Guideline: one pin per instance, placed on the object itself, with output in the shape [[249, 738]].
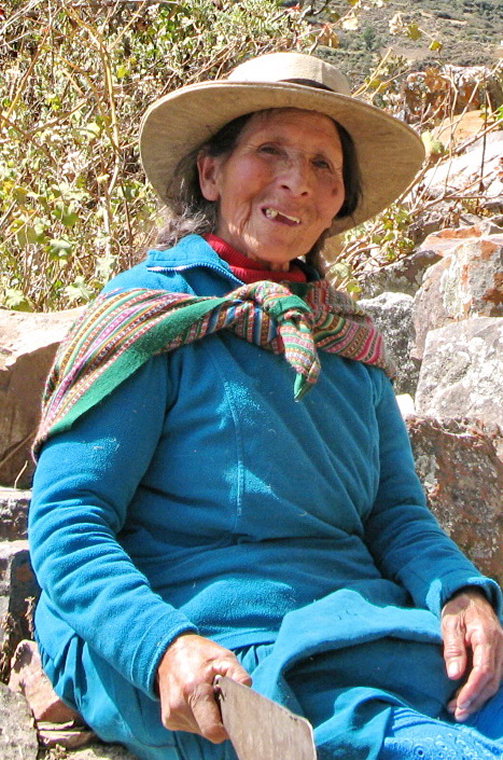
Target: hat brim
[[389, 152]]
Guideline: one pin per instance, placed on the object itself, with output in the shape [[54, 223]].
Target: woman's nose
[[296, 176]]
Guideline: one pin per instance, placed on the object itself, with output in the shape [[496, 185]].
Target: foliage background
[[76, 79], [76, 76]]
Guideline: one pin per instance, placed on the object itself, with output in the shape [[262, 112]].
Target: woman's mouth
[[273, 213]]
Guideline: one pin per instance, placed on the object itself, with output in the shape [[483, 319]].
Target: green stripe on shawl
[[125, 365]]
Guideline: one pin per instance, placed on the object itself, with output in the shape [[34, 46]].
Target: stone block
[[100, 751], [443, 242], [403, 276], [392, 314], [4, 612], [14, 504], [18, 590], [13, 558], [460, 465], [28, 678], [462, 371], [18, 738], [28, 343], [467, 282]]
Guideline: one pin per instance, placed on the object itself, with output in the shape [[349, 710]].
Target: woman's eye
[[271, 150], [321, 163]]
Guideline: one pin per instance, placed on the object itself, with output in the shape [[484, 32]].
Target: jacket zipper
[[184, 267]]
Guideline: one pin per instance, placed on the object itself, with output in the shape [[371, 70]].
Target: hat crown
[[288, 67]]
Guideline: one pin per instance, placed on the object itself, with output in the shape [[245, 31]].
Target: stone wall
[[450, 357]]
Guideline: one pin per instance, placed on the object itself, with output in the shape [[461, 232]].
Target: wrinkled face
[[281, 186]]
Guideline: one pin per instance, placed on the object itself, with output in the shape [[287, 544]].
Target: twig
[[27, 75], [462, 148]]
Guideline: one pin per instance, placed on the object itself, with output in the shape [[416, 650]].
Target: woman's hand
[[473, 647], [185, 679]]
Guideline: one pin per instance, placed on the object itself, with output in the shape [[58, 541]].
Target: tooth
[[271, 213]]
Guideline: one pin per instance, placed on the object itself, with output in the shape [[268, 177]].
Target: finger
[[453, 702], [482, 683], [206, 714], [232, 669], [177, 716], [455, 654], [465, 707]]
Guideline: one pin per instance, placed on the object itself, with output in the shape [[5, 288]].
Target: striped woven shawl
[[120, 331]]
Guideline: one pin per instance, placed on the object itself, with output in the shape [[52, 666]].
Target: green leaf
[[59, 248], [26, 235], [15, 299], [432, 144], [19, 194], [92, 129], [121, 71], [353, 287], [414, 32], [65, 214], [54, 101], [341, 269], [70, 219], [104, 267], [78, 290]]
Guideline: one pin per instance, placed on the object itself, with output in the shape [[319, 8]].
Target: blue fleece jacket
[[199, 496]]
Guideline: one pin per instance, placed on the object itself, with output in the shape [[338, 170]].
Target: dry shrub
[[77, 76]]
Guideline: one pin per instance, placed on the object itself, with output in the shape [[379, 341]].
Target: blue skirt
[[346, 664]]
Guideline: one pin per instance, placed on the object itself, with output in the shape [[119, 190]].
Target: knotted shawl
[[120, 331]]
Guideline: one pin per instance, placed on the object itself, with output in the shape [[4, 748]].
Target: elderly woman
[[194, 514]]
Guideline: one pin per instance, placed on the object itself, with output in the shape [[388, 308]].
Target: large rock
[[475, 171], [18, 592], [392, 314], [467, 282], [403, 276], [462, 371], [18, 738], [101, 752], [460, 465], [28, 343], [14, 557], [460, 130], [445, 241], [14, 505], [28, 678], [57, 724]]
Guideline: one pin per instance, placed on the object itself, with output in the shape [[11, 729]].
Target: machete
[[261, 729]]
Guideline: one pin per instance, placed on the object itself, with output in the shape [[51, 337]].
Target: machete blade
[[261, 729]]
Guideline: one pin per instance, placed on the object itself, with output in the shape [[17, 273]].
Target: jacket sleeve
[[404, 537], [83, 484]]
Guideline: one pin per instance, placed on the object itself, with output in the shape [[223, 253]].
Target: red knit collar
[[249, 270]]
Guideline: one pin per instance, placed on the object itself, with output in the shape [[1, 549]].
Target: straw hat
[[389, 152]]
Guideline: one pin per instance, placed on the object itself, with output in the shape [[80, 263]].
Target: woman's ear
[[208, 168]]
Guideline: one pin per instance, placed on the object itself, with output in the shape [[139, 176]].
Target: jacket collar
[[190, 251], [193, 251]]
